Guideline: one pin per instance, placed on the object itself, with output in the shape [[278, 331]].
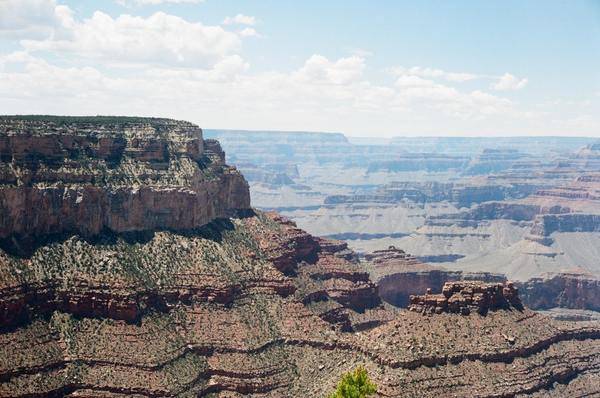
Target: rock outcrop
[[326, 275], [467, 297]]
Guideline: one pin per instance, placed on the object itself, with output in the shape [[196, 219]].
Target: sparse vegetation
[[355, 384]]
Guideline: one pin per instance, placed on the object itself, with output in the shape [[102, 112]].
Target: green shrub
[[355, 384]]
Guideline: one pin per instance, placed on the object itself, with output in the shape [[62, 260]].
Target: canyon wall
[[547, 224], [574, 291], [86, 175], [400, 275]]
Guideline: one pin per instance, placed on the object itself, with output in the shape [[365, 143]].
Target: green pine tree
[[355, 384]]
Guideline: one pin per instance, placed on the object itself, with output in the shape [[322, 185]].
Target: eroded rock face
[[467, 297], [234, 325], [327, 276], [574, 291], [505, 210], [463, 195], [547, 224], [425, 161], [400, 275], [86, 175]]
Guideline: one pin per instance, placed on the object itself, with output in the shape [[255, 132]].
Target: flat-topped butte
[[40, 150], [85, 174]]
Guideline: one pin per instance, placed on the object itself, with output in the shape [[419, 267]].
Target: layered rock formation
[[327, 277], [466, 297], [86, 175], [101, 179], [494, 161], [574, 222], [415, 162], [400, 275], [238, 303], [504, 353], [553, 230], [462, 195], [565, 290]]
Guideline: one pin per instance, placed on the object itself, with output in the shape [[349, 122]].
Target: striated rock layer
[[574, 291], [466, 297], [249, 305], [213, 316], [86, 175], [400, 275]]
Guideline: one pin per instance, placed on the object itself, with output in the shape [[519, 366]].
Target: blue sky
[[365, 68]]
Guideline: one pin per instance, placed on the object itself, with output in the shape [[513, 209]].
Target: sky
[[364, 68]]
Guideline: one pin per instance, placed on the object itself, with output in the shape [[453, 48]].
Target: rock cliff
[[574, 291], [400, 275], [85, 175], [547, 224], [462, 195]]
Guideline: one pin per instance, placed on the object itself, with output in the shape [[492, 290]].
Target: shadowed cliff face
[[399, 276], [574, 291], [160, 286], [87, 175]]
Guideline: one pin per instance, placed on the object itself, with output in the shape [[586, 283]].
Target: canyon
[[527, 208], [134, 262]]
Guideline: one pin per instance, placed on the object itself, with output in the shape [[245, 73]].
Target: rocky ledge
[[327, 276], [468, 297]]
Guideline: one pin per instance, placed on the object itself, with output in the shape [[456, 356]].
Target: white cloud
[[502, 83], [413, 81], [416, 92], [249, 32], [434, 73], [509, 82], [226, 71], [128, 3], [319, 69], [158, 39], [240, 19], [32, 18], [186, 70], [297, 99], [323, 94]]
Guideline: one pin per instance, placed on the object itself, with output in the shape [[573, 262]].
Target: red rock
[[464, 297]]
